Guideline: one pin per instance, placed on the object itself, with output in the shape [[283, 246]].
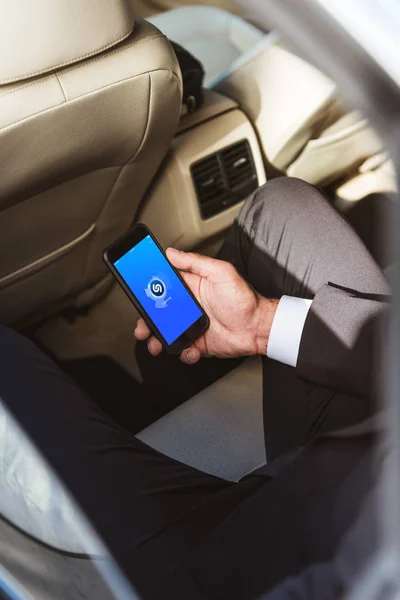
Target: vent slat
[[242, 175], [207, 169], [240, 170], [209, 181], [212, 195], [235, 152]]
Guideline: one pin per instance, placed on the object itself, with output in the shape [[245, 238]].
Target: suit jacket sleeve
[[338, 340]]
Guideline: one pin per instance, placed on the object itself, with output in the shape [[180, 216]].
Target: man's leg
[[176, 532], [147, 507], [288, 239]]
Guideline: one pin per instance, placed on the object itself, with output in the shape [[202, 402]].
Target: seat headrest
[[37, 36]]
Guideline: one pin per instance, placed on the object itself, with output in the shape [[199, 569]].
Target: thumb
[[204, 266], [190, 355]]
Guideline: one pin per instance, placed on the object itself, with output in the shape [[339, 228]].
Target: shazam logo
[[157, 290]]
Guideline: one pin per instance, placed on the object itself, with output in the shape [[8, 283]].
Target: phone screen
[[156, 286]]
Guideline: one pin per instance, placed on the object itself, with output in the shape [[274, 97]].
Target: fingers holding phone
[[142, 333], [240, 319], [191, 305]]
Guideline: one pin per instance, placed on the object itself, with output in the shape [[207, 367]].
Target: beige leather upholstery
[[68, 32], [284, 96], [304, 130], [375, 175], [337, 151], [79, 144]]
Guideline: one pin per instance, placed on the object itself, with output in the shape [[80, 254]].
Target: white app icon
[[157, 291]]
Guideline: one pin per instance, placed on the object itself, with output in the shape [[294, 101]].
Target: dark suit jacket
[[338, 343]]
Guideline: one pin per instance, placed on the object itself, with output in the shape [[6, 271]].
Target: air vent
[[224, 178], [239, 166]]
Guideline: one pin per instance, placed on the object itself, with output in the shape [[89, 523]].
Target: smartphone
[[156, 289]]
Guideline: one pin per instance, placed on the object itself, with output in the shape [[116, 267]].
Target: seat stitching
[[23, 87], [127, 47], [68, 62], [89, 94], [123, 167], [62, 89], [80, 66], [146, 129], [45, 260]]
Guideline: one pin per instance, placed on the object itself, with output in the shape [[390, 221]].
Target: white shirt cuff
[[287, 329]]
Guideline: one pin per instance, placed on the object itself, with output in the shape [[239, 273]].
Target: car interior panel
[[192, 161], [92, 140]]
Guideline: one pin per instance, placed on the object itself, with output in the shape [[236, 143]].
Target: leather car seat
[[304, 129], [90, 99], [214, 36]]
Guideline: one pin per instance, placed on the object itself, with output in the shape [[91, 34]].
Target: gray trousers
[[177, 532], [289, 240]]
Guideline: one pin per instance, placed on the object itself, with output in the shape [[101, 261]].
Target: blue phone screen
[[160, 292]]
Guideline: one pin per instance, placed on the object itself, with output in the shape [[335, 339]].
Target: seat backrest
[[283, 95], [303, 127], [89, 102]]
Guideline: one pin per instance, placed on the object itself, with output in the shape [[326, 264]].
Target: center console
[[214, 163]]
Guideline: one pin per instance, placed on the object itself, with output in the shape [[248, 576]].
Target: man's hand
[[240, 319]]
